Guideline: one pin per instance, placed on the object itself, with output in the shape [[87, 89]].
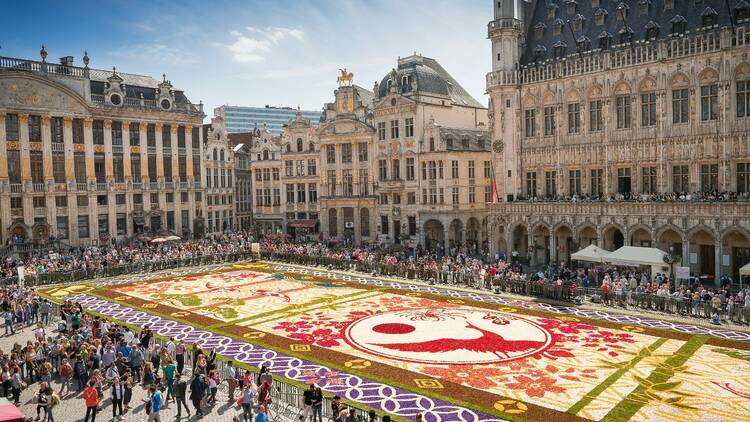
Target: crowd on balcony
[[699, 196]]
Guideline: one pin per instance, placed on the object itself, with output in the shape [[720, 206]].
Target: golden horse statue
[[345, 78]]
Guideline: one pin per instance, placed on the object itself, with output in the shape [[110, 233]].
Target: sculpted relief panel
[[24, 93]]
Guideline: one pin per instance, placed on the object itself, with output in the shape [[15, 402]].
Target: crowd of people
[[699, 196]]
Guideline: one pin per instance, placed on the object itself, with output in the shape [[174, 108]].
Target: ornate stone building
[[219, 170], [301, 156], [243, 195], [615, 104], [265, 165], [347, 193], [88, 156], [431, 141]]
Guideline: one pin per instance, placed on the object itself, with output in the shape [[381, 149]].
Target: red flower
[[324, 337], [473, 376], [292, 327], [535, 387]]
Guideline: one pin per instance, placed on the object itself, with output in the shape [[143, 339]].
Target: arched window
[[311, 147], [679, 24], [265, 154], [216, 155], [333, 223], [364, 221], [299, 145], [288, 148], [221, 155]]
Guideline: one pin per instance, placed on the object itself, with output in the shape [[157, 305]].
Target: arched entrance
[[587, 236], [455, 232], [499, 241], [670, 240], [472, 234], [18, 232], [702, 252], [541, 252], [40, 232], [736, 244], [640, 237], [434, 235], [564, 243], [613, 238], [520, 239]]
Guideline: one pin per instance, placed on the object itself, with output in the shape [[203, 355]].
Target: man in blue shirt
[[261, 416], [155, 398]]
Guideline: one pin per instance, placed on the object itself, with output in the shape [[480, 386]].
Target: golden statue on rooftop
[[346, 78]]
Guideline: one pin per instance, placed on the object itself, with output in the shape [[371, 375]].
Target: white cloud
[[154, 52], [256, 47]]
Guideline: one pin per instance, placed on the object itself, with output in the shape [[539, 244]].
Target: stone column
[[143, 140], [70, 171], [23, 136], [88, 141], [717, 262], [159, 167], [51, 211], [685, 251], [552, 248], [4, 188], [530, 246], [126, 151], [110, 176]]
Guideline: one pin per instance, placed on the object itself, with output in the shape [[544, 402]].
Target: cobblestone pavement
[[72, 408]]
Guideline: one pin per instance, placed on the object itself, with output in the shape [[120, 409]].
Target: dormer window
[[465, 143], [652, 30], [709, 17], [389, 84], [679, 25], [583, 43], [605, 39], [480, 143], [557, 27], [559, 49], [599, 16], [449, 142], [742, 11], [540, 53], [578, 22], [539, 30], [595, 4], [552, 10], [571, 6], [622, 12], [668, 5], [626, 35], [406, 83], [643, 6]]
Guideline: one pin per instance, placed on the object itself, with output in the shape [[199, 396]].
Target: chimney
[[66, 61]]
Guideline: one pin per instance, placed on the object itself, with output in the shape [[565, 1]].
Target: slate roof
[[477, 139], [541, 36], [136, 85], [431, 78]]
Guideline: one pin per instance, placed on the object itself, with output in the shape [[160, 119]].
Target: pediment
[[31, 93]]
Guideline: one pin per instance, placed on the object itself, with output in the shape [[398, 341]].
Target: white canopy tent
[[745, 270], [639, 256], [590, 253]]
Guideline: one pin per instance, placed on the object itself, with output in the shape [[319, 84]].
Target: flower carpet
[[451, 355]]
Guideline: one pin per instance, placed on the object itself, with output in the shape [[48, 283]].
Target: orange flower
[[535, 387]]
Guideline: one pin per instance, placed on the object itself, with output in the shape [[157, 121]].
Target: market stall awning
[[745, 270], [307, 224], [590, 253], [636, 255]]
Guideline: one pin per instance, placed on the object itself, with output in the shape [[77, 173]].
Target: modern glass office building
[[245, 119]]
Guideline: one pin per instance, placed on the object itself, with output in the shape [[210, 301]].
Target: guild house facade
[[622, 123], [89, 156]]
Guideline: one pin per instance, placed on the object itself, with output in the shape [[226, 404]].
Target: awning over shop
[[637, 256], [590, 253], [745, 270], [307, 224]]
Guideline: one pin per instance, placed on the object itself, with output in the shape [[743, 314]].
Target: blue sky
[[255, 52]]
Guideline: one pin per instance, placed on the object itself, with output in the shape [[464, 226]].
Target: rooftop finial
[[164, 77], [43, 53], [86, 58]]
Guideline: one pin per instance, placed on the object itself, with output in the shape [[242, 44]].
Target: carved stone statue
[[346, 78]]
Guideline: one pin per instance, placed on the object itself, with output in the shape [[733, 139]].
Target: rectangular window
[[118, 168], [182, 168], [166, 136], [330, 154], [471, 169], [472, 194], [680, 105], [82, 201], [454, 169], [624, 180], [362, 152], [487, 170], [61, 201], [487, 194], [289, 168], [412, 225], [312, 192], [62, 227], [312, 169], [455, 196], [11, 127], [396, 169], [116, 130], [58, 167], [289, 193], [595, 116], [78, 131], [83, 226], [574, 118], [381, 131], [743, 177], [433, 170], [39, 202], [574, 182], [648, 180], [181, 137], [622, 104], [411, 198], [549, 121], [648, 109], [382, 170], [122, 225], [151, 135], [56, 130], [409, 127], [35, 129], [433, 196], [410, 168], [709, 102], [550, 184], [529, 123], [743, 98], [384, 224], [680, 178], [300, 192], [531, 188], [300, 168], [134, 134], [97, 130], [346, 153], [14, 166], [276, 197], [37, 166], [347, 182], [167, 164], [332, 183], [394, 129], [709, 177], [275, 172], [364, 182]]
